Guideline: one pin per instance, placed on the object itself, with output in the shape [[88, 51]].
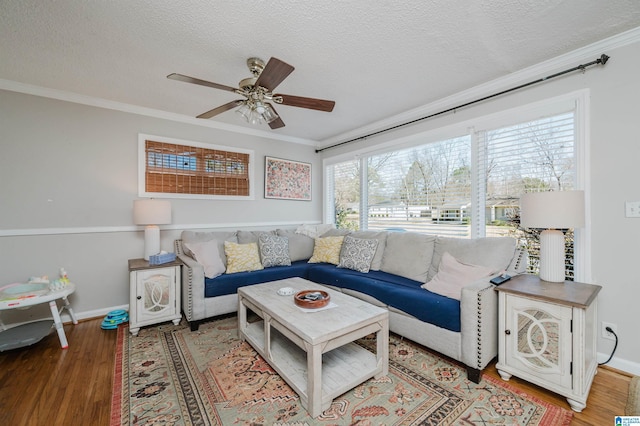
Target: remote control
[[500, 279]]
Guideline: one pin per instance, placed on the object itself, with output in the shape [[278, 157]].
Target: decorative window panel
[[181, 169]]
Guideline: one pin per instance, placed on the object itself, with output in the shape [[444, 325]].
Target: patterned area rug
[[168, 375]]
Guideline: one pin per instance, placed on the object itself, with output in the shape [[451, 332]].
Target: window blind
[[533, 156], [181, 169], [426, 188], [345, 194]]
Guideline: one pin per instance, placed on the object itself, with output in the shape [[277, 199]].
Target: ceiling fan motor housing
[[256, 65]]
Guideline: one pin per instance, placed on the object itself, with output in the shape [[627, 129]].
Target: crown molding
[[45, 92], [494, 86]]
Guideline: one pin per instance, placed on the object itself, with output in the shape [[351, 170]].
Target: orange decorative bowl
[[312, 299]]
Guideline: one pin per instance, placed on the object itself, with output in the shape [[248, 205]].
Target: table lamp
[[151, 213], [552, 211]]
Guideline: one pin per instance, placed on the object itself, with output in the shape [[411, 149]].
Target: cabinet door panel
[[156, 293], [539, 339]]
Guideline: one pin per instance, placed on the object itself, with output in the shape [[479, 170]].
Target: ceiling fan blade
[[277, 123], [220, 109], [273, 74], [193, 80], [302, 102]]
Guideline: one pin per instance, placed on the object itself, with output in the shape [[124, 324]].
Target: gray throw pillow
[[274, 250], [203, 236], [300, 246], [381, 236], [408, 254], [357, 253]]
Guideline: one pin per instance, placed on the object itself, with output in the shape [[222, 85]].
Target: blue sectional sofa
[[405, 265]]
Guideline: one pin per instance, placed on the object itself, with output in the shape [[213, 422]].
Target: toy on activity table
[[60, 283]]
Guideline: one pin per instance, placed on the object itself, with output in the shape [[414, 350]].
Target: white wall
[[68, 178], [614, 159]]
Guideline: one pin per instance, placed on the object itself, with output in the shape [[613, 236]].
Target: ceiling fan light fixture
[[256, 118], [269, 114], [259, 107], [244, 111]]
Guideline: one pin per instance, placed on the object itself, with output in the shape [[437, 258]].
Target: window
[[465, 186], [183, 169]]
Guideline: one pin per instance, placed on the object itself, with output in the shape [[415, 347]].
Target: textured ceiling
[[374, 58]]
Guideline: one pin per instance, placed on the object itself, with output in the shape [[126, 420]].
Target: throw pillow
[[207, 254], [453, 275], [327, 250], [242, 257], [381, 236], [200, 237], [408, 254], [300, 246], [274, 250], [357, 253], [494, 252]]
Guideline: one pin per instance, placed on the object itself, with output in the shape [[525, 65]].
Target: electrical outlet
[[605, 333], [632, 208]]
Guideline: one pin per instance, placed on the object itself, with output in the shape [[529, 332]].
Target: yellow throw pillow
[[327, 250], [242, 257]]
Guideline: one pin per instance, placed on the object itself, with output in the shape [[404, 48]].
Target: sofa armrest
[[479, 323], [192, 286]]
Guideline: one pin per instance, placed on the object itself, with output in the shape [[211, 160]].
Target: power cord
[[610, 330]]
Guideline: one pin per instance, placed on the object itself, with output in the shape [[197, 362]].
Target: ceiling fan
[[258, 92]]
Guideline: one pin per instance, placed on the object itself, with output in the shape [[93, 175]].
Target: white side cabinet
[[547, 335], [154, 293]]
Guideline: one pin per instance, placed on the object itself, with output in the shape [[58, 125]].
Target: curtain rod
[[601, 60]]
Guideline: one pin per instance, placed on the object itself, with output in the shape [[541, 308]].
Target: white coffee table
[[314, 351]]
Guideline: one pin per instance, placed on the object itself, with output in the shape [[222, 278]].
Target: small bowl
[[286, 291], [305, 299]]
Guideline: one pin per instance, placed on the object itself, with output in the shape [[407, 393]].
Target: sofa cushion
[[246, 237], [492, 252], [208, 255], [274, 250], [399, 292], [314, 231], [336, 232], [381, 237], [229, 283], [357, 253], [453, 275], [219, 236], [242, 257], [408, 254], [300, 246], [327, 250]]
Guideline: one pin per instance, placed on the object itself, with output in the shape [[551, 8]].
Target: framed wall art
[[287, 179]]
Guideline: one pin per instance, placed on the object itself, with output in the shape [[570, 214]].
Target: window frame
[[142, 168], [581, 107]]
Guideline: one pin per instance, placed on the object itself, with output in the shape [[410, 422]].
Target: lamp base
[[151, 241], [552, 256]]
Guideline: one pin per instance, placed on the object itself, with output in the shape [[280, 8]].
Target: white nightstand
[[547, 335], [154, 293]]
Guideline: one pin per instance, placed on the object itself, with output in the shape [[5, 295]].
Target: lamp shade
[[552, 210], [151, 212]]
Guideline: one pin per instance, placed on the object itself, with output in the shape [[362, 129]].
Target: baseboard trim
[[621, 364]]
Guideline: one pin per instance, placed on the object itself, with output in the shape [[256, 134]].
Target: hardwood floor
[[45, 385]]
